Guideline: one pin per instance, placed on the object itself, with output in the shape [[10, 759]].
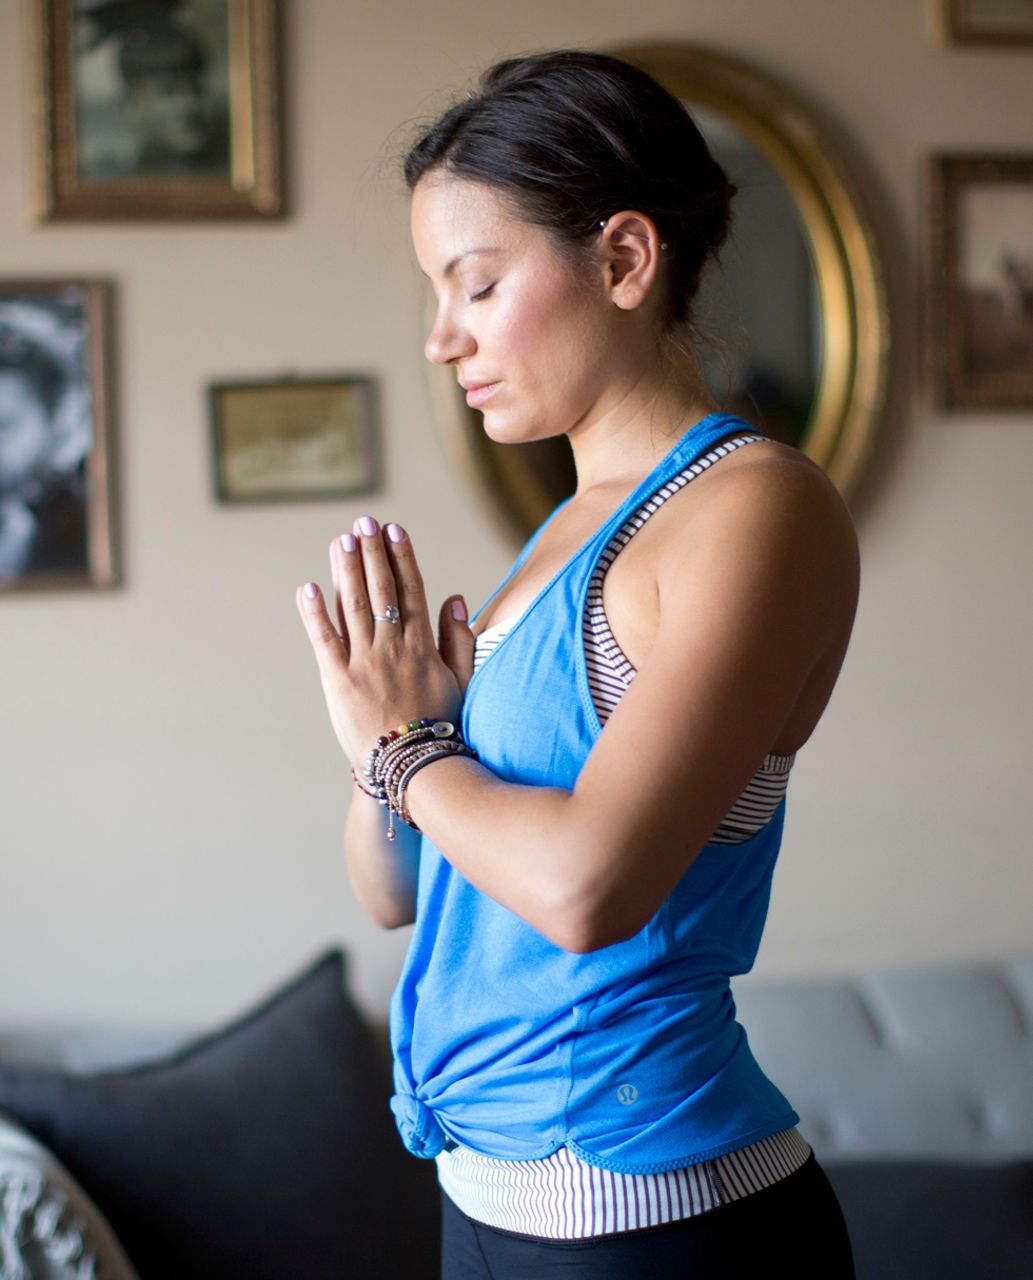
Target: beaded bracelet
[[399, 755]]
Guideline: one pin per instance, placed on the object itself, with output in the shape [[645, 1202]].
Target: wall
[[171, 796]]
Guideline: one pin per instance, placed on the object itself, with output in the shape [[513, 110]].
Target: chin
[[503, 432]]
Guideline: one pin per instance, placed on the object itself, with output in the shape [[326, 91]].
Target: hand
[[378, 674]]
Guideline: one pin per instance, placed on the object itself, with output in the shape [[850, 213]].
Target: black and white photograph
[[982, 269], [294, 439], [152, 89], [54, 519], [163, 109]]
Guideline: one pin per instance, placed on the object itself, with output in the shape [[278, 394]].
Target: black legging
[[794, 1225]]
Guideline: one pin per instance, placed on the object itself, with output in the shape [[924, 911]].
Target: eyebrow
[[467, 253]]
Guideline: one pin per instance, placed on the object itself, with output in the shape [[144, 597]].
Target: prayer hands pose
[[377, 674]]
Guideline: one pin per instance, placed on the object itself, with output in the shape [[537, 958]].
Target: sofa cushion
[[264, 1149], [915, 1221], [50, 1229]]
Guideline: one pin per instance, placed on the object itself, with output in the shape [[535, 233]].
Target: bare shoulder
[[771, 501], [764, 519]]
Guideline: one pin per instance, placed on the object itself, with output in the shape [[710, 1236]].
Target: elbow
[[590, 921]]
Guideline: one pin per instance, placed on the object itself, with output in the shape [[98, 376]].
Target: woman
[[582, 890]]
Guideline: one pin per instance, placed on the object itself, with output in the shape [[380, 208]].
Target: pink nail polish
[[349, 541], [395, 532], [311, 590], [368, 525]]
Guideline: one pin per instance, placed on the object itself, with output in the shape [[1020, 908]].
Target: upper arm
[[756, 588]]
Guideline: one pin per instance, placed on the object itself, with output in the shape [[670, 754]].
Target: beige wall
[[170, 793]]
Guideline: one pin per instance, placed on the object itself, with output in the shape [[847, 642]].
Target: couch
[[265, 1148]]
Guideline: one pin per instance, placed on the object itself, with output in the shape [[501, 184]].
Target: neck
[[638, 426]]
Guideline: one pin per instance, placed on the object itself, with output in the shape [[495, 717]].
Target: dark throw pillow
[[266, 1149], [911, 1220]]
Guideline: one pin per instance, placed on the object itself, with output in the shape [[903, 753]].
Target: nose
[[447, 340]]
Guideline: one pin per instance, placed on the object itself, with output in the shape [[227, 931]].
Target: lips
[[478, 392]]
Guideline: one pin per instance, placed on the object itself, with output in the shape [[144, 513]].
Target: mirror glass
[[761, 352]]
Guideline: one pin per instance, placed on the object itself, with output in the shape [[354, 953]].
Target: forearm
[[383, 872], [518, 844]]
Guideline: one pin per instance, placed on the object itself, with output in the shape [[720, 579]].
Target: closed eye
[[476, 297]]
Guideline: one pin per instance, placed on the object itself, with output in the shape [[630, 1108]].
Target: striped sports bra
[[562, 1197]]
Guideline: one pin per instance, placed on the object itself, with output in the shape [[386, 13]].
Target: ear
[[631, 250]]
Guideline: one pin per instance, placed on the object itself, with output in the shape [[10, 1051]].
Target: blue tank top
[[630, 1055]]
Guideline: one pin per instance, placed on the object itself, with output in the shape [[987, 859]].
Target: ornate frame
[[527, 481], [288, 402], [255, 186], [954, 384]]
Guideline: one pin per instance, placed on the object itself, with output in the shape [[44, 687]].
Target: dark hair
[[569, 137]]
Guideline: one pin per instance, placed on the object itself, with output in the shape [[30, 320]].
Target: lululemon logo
[[627, 1094]]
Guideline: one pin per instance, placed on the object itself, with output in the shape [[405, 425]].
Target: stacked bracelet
[[399, 755]]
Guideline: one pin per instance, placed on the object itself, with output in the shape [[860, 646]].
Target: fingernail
[[349, 541], [395, 532], [368, 525], [311, 590], [458, 610]]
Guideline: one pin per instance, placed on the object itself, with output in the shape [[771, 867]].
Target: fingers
[[326, 643], [380, 582], [338, 610], [456, 641], [374, 569], [353, 609], [411, 594]]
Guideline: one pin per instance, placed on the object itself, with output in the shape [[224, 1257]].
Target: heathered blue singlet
[[629, 1055]]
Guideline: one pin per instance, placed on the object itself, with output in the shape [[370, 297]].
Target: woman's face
[[513, 316], [25, 430]]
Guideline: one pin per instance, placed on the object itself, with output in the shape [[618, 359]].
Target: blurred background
[[171, 794]]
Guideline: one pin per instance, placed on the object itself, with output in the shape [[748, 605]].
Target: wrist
[[398, 755]]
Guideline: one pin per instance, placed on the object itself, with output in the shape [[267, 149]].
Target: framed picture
[[294, 439], [55, 435], [157, 108], [988, 21], [981, 305]]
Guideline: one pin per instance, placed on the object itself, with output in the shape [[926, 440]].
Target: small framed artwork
[[294, 439], [981, 275], [164, 109], [55, 435], [988, 21]]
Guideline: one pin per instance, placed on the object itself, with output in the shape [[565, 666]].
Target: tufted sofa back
[[919, 1062]]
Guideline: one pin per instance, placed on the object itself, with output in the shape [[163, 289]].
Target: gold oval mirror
[[804, 357]]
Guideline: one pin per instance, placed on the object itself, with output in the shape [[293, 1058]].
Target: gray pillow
[[50, 1229], [266, 1149]]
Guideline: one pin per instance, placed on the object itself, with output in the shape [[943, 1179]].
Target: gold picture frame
[[56, 450], [157, 110], [980, 321], [1002, 22], [294, 439]]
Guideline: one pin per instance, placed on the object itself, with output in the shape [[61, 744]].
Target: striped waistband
[[562, 1197]]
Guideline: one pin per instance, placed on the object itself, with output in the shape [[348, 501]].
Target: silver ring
[[390, 614]]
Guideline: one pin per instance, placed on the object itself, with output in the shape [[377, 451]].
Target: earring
[[663, 243]]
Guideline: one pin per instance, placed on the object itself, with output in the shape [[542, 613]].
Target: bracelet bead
[[399, 754]]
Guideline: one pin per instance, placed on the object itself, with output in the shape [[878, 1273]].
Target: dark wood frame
[[256, 185], [954, 385], [102, 549], [371, 478], [958, 28]]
